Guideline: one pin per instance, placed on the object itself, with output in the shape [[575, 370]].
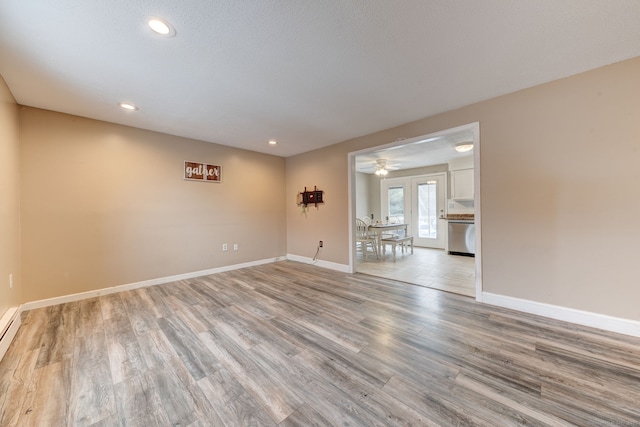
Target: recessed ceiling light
[[162, 27], [464, 147], [272, 142], [127, 106]]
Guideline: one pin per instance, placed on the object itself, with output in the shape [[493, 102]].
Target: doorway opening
[[416, 190]]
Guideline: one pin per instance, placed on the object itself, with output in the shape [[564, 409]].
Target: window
[[396, 203], [428, 210]]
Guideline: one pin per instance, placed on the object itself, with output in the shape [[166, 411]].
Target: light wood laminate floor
[[432, 268], [291, 344]]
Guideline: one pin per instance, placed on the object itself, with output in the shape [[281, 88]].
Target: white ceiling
[[308, 73], [416, 152]]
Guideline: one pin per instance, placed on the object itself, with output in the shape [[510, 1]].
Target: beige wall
[[106, 205], [363, 194], [559, 184], [9, 201], [325, 169]]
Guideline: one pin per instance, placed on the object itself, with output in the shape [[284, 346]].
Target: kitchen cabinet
[[462, 184]]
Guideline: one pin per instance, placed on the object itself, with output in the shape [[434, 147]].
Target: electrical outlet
[[225, 247], [10, 280], [235, 246], [320, 244]]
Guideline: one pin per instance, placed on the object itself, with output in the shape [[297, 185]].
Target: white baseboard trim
[[320, 263], [580, 317], [9, 325], [143, 284]]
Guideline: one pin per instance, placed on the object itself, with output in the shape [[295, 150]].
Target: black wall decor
[[308, 197]]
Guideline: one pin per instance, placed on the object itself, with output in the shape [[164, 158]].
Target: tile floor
[[431, 268]]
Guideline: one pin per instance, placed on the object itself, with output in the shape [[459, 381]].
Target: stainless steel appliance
[[462, 237]]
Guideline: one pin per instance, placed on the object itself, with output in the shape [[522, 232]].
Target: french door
[[419, 202]]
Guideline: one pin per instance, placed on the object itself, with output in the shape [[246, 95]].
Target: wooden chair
[[364, 239]]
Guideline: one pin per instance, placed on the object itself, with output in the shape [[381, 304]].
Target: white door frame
[[411, 209], [351, 157]]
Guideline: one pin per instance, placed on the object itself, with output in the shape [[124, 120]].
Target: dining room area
[[427, 267], [405, 201]]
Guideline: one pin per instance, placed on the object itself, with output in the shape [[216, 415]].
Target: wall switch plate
[[235, 246], [225, 247], [10, 280]]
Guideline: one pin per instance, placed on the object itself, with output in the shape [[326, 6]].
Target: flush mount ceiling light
[[464, 147], [128, 106], [161, 27], [272, 142]]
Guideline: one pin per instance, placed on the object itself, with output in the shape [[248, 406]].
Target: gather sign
[[195, 171]]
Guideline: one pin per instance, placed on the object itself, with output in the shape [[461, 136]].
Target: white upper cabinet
[[462, 184]]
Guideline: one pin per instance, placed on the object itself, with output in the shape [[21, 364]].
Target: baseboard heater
[[9, 325]]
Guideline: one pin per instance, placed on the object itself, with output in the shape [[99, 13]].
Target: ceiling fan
[[383, 167]]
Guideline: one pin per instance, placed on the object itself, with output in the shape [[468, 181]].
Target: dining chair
[[364, 239]]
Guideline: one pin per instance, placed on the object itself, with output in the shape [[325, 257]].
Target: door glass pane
[[396, 204], [427, 210]]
